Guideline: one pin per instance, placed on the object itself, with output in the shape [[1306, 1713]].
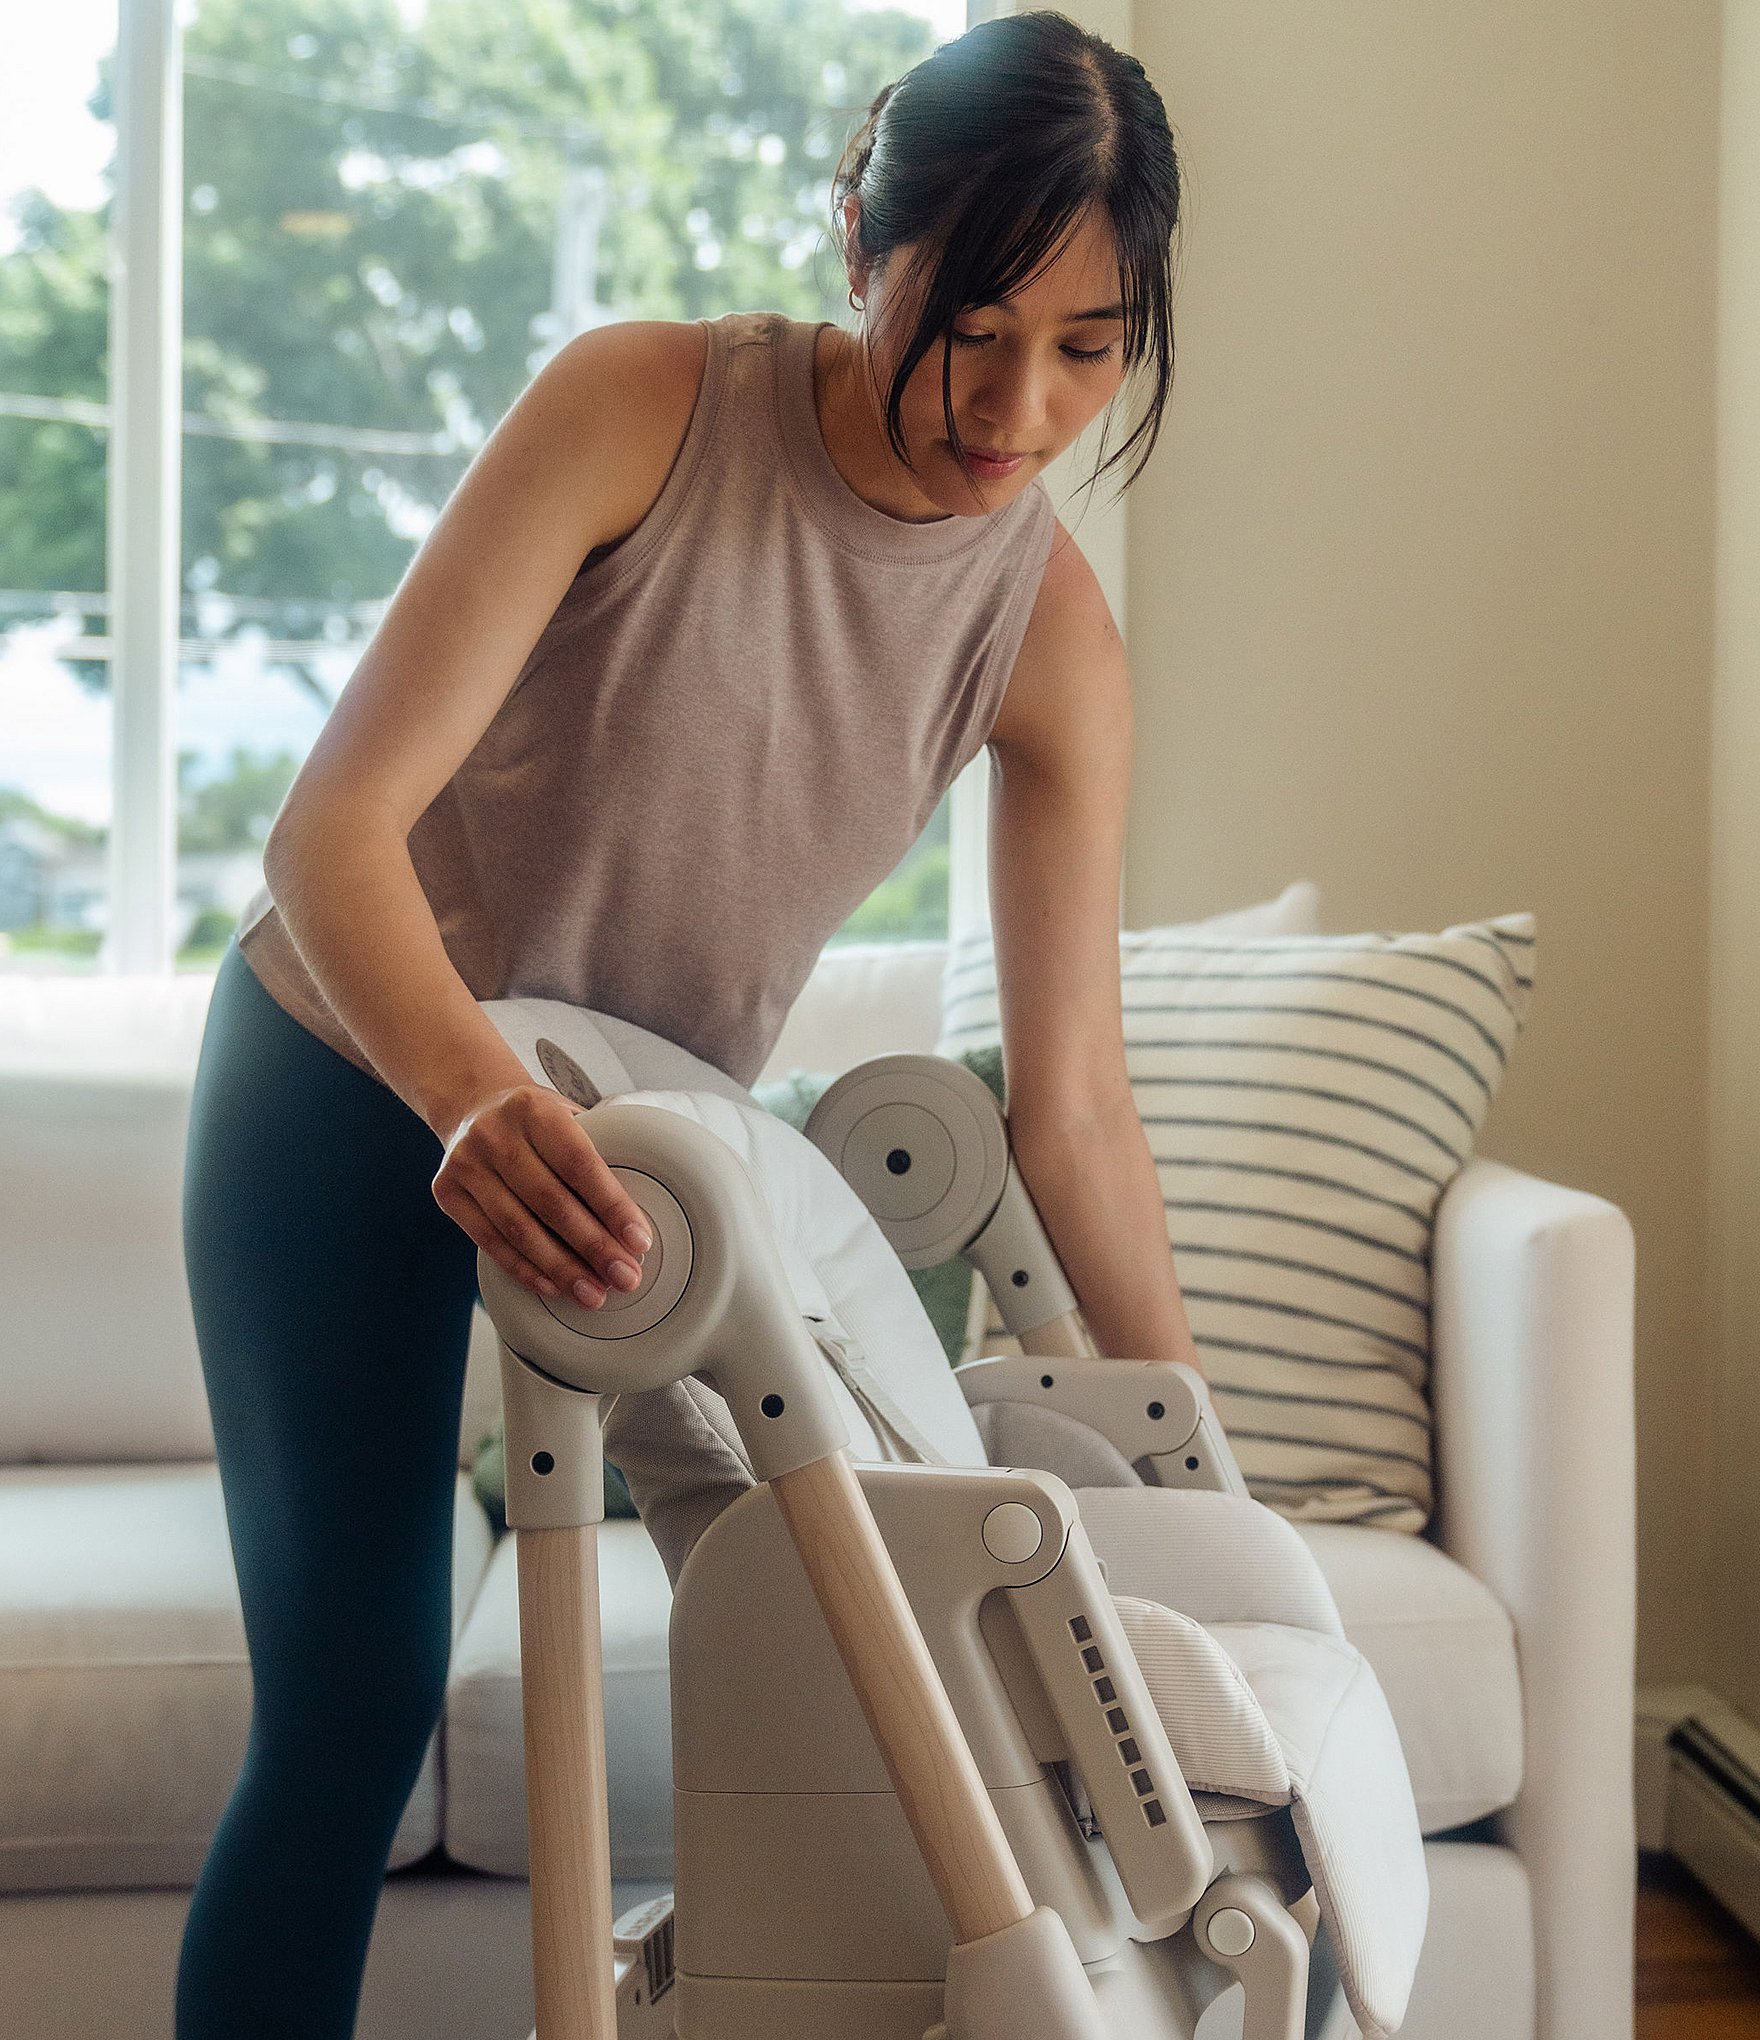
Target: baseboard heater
[[1714, 1807]]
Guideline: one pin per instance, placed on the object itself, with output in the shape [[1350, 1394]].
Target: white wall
[[1098, 518]]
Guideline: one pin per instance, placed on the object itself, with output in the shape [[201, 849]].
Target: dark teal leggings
[[332, 1301]]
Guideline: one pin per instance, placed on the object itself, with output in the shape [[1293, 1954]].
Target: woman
[[692, 653]]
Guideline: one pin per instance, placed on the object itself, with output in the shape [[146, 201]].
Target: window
[[56, 146], [389, 215]]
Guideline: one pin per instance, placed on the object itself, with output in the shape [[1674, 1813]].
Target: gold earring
[[855, 304]]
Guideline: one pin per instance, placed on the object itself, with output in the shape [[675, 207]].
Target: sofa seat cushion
[[485, 1817], [125, 1686], [1444, 1649]]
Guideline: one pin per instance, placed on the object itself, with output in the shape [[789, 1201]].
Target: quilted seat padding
[[1441, 1645], [1266, 1702]]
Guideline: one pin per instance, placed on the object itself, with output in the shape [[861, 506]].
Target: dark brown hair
[[989, 153]]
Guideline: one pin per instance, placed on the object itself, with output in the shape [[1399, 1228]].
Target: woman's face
[[1027, 377]]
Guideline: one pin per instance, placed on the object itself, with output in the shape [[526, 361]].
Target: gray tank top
[[737, 721]]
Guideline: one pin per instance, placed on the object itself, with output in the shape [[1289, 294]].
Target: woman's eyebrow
[[1070, 318]]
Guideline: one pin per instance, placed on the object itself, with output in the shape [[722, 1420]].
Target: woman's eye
[[1074, 353]]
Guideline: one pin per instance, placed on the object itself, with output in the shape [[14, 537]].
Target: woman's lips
[[991, 470]]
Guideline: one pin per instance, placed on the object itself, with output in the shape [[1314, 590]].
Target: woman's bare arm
[[1061, 743], [574, 463], [577, 462]]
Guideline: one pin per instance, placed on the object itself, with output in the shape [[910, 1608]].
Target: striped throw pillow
[[1307, 1100]]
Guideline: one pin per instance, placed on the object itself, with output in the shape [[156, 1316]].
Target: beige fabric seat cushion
[[1270, 1714], [125, 1685], [1230, 1752]]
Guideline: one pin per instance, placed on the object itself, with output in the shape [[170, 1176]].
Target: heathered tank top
[[736, 722]]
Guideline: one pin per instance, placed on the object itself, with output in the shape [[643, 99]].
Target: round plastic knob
[[1012, 1533], [923, 1143], [1230, 1931], [665, 1269]]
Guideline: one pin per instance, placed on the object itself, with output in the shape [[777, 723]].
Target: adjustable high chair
[[962, 1750]]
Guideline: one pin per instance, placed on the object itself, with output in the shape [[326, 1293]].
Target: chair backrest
[[881, 1349]]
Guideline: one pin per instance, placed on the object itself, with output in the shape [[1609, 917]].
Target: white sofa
[[1503, 1640]]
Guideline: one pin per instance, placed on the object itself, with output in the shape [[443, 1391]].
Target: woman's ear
[[858, 269]]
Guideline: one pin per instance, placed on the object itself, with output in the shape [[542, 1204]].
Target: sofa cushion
[[1444, 1649], [102, 1023], [95, 1071], [101, 1360], [862, 999], [485, 1817], [125, 1690]]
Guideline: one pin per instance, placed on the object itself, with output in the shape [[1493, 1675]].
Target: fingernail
[[585, 1293], [639, 1237], [625, 1276]]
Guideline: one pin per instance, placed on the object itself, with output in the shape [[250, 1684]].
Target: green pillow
[[945, 1289]]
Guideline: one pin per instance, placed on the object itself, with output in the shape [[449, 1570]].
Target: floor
[[1698, 1967]]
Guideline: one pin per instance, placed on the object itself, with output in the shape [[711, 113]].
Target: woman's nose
[[1011, 415]]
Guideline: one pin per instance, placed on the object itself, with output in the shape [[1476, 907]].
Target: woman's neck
[[854, 434]]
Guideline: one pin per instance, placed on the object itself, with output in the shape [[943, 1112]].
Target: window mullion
[[144, 484]]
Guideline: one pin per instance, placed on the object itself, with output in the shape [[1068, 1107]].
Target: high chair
[[934, 1779]]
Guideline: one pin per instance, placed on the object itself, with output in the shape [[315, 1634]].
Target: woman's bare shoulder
[[639, 379]]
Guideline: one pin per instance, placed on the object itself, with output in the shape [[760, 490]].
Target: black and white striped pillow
[[1307, 1099]]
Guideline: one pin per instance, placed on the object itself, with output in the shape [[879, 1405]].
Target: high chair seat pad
[[1441, 1645], [1267, 1703], [1263, 1714], [1215, 1557]]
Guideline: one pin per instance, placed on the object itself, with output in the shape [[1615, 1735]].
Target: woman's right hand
[[521, 1175]]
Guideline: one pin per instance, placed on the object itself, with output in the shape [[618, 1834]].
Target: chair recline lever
[[1157, 1413]]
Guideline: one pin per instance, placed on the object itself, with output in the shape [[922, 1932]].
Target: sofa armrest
[[1532, 1337]]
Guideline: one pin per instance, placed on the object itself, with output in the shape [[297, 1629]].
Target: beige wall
[[1420, 583], [1731, 1556]]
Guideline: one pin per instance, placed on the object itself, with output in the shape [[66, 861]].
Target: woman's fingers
[[460, 1206], [578, 1194], [565, 1220], [524, 1170], [539, 1245]]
